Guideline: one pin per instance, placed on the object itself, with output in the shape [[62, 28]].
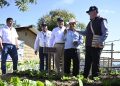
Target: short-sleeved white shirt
[[8, 35]]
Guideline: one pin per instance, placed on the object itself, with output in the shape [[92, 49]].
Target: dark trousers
[[73, 54], [92, 57], [12, 51], [42, 57]]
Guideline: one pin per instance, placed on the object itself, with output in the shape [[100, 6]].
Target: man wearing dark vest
[[96, 26]]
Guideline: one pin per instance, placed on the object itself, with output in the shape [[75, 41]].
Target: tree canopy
[[21, 4], [51, 18], [81, 25]]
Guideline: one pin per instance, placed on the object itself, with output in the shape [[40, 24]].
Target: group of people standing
[[65, 40]]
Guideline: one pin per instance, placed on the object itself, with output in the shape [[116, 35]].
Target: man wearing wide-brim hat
[[71, 50]]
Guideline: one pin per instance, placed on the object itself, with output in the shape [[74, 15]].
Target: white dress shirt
[[57, 36], [70, 37], [42, 40], [8, 35]]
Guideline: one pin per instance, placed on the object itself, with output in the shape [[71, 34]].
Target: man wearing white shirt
[[42, 40], [71, 49], [58, 42], [9, 45]]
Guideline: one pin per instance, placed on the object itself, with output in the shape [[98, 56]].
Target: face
[[92, 14], [44, 28], [72, 25], [10, 23], [60, 23]]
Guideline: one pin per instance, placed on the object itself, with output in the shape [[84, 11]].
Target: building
[[27, 35]]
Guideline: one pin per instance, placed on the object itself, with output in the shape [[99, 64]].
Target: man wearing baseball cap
[[58, 42], [92, 8], [96, 27], [42, 40]]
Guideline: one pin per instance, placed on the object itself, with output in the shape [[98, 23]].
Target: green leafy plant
[[66, 78], [80, 77], [114, 73], [39, 83], [15, 81], [49, 83], [80, 82], [96, 78], [115, 82], [2, 83], [106, 83], [27, 82]]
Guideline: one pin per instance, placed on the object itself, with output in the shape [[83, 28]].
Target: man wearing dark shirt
[[96, 26]]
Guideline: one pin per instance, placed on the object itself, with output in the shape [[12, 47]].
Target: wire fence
[[110, 58]]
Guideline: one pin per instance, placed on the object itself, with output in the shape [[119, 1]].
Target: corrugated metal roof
[[30, 27]]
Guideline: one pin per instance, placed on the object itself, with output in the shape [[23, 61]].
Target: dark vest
[[96, 24]]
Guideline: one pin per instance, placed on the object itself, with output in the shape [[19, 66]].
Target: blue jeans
[[12, 51], [42, 56]]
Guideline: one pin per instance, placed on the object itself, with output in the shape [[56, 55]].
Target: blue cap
[[43, 24], [59, 19], [92, 8]]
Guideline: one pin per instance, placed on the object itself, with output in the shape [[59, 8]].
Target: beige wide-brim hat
[[72, 20]]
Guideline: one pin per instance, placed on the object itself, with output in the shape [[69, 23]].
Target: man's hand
[[1, 46], [75, 43], [98, 45], [35, 52], [17, 47]]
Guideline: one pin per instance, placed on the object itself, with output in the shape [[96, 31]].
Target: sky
[[107, 8]]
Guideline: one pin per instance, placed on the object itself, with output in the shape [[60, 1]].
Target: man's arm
[[36, 44], [77, 39], [64, 35], [1, 46], [52, 39], [16, 42], [104, 29], [80, 39], [83, 32], [16, 38], [104, 34]]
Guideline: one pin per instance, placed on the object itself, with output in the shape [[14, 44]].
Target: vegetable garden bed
[[32, 77]]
